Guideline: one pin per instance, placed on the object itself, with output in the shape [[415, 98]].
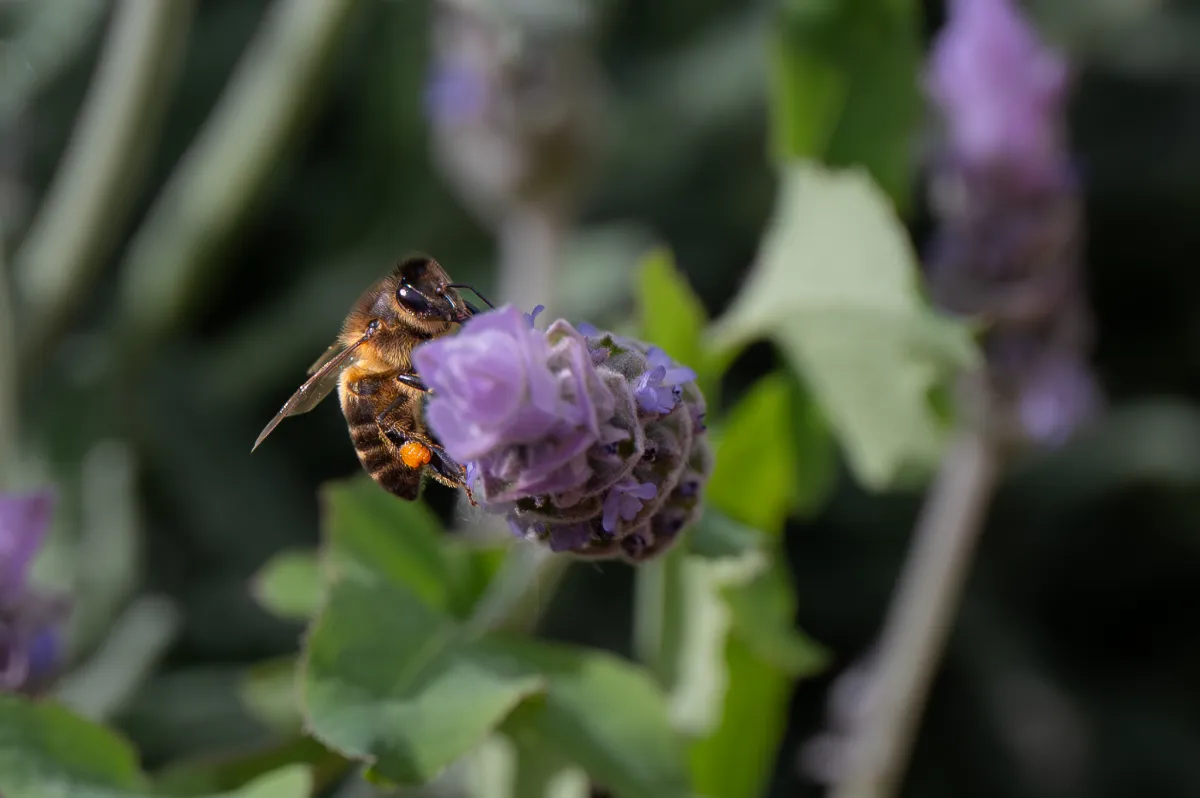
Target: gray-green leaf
[[289, 585], [754, 480], [846, 86], [605, 714], [673, 318], [837, 288], [394, 683], [293, 781], [368, 528], [46, 750]]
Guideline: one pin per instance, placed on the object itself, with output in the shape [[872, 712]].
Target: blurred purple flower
[[1008, 243], [999, 88], [29, 644], [455, 94], [24, 522], [548, 422]]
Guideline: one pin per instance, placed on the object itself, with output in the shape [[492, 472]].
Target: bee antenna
[[474, 291]]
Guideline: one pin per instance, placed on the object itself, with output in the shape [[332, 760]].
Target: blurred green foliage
[[1084, 579]]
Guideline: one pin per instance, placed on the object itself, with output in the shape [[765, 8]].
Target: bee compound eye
[[412, 300]]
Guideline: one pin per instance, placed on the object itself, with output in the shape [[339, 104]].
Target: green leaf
[[604, 714], [541, 774], [45, 750], [293, 781], [472, 565], [764, 617], [739, 549], [368, 528], [754, 478], [394, 683], [763, 656], [736, 760], [836, 287], [679, 633], [816, 453], [289, 585], [673, 318], [205, 774], [846, 86], [268, 691]]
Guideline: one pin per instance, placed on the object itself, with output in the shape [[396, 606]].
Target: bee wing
[[334, 350], [328, 368]]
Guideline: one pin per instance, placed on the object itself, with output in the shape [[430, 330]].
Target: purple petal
[[532, 316], [644, 491], [612, 506], [24, 522], [1000, 89], [624, 500], [678, 375]]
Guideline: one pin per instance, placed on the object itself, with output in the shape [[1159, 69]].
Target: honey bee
[[381, 396]]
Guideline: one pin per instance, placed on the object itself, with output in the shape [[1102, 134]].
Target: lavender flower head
[[1008, 245], [28, 620], [1000, 89], [591, 443]]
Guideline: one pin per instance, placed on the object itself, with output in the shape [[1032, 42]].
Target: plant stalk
[[531, 239], [920, 618], [522, 588], [93, 191], [225, 170]]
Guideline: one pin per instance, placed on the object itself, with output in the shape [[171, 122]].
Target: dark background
[[1075, 667]]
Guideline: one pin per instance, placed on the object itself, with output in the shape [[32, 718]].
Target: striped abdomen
[[379, 455]]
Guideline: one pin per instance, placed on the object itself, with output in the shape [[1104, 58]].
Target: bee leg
[[447, 470], [413, 381], [387, 411]]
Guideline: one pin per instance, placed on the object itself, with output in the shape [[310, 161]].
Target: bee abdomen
[[379, 457]]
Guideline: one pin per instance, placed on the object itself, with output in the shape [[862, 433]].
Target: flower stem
[[136, 644], [224, 171], [520, 590], [93, 191], [920, 618], [531, 244], [657, 615]]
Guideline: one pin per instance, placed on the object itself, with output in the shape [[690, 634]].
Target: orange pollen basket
[[415, 454]]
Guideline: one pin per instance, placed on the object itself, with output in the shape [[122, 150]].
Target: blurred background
[[157, 342]]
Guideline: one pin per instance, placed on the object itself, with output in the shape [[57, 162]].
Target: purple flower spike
[[29, 643], [575, 438], [1010, 219], [24, 522], [999, 88]]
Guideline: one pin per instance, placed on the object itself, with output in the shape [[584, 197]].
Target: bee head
[[423, 290]]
